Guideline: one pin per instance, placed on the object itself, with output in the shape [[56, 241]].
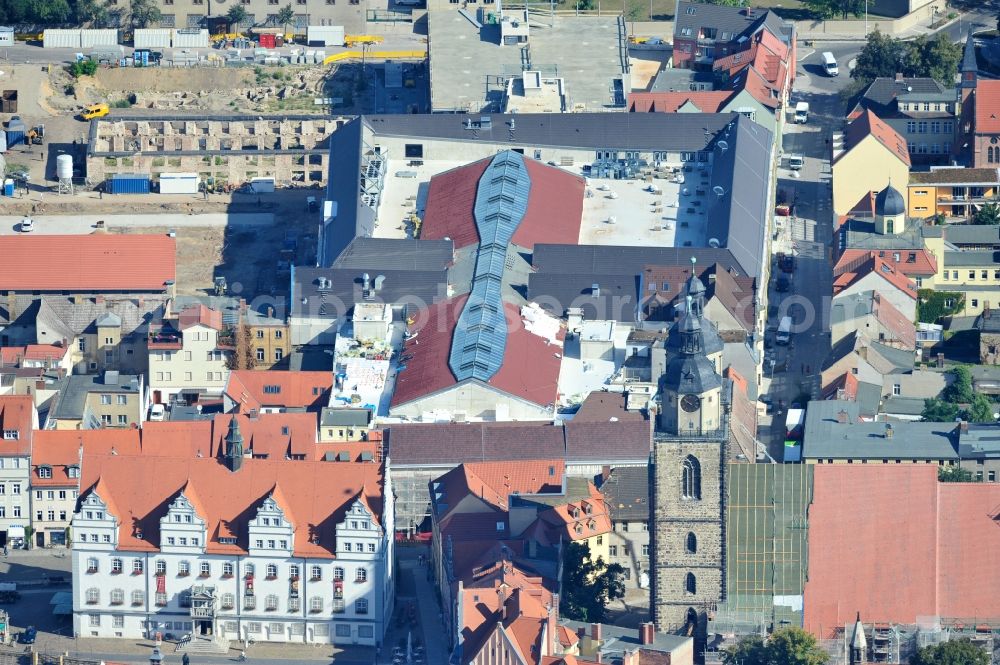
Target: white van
[[795, 162], [830, 64], [784, 331]]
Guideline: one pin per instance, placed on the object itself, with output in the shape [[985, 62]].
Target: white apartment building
[[233, 549], [18, 420], [186, 357]]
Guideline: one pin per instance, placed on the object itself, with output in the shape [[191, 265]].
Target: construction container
[[128, 183], [262, 185], [6, 36], [16, 132], [92, 38], [8, 103], [190, 38], [61, 39], [179, 183], [266, 41], [152, 38], [325, 35], [8, 187]]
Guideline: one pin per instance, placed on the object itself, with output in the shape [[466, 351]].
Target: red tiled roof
[[554, 213], [707, 101], [310, 390], [894, 544], [141, 488], [61, 449], [987, 102], [97, 262], [570, 521], [924, 263], [879, 266], [274, 435], [905, 333], [494, 482], [869, 124], [759, 87], [17, 413], [200, 315], [605, 407], [530, 368], [44, 352], [843, 387]]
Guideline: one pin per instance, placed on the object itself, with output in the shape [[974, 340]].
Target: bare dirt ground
[[645, 67]]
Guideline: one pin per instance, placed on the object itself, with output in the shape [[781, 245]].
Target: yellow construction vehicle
[[353, 40]]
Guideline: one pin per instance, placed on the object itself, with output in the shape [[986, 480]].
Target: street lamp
[[866, 19]]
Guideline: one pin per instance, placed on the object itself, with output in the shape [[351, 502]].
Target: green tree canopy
[[885, 56], [938, 411], [144, 13], [285, 16], [787, 646], [236, 16], [836, 8], [956, 652], [980, 409], [588, 585], [953, 474], [959, 391], [989, 214]]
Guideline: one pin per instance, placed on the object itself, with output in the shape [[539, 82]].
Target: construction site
[[293, 150]]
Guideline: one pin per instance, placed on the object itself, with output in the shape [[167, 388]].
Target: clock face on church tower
[[690, 403]]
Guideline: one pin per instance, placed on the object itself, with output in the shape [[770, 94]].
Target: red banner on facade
[[161, 584]]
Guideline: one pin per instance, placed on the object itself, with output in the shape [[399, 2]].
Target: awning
[[15, 531], [63, 610], [62, 598]]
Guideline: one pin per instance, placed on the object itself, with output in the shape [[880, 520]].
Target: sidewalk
[[915, 31]]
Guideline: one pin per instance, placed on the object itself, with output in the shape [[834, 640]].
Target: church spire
[[695, 289], [234, 446]]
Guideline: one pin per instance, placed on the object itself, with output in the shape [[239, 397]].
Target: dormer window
[[589, 509], [11, 435], [73, 471], [45, 472]]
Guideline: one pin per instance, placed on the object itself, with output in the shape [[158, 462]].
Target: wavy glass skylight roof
[[480, 338]]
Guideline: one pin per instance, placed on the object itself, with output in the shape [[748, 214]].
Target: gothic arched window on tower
[[691, 478], [692, 543], [690, 584]]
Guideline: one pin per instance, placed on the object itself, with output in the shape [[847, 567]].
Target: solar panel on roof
[[481, 334]]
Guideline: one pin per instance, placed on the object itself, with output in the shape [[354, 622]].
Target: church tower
[[966, 111], [234, 446], [890, 211], [689, 453]]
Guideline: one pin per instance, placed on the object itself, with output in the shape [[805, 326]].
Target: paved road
[[83, 224]]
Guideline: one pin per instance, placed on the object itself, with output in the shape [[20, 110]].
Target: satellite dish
[[723, 146], [719, 190], [714, 242]]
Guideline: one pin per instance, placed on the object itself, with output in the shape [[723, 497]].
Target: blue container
[[128, 183], [14, 137], [8, 187]]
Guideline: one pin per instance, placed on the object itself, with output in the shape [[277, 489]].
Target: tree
[[285, 16], [956, 652], [588, 585], [953, 474], [92, 12], [836, 8], [786, 646], [884, 56], [236, 16], [980, 410], [144, 13], [243, 356], [750, 650], [988, 215], [938, 411], [959, 391]]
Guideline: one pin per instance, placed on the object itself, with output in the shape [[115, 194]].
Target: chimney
[[899, 77], [963, 426], [646, 632], [551, 625], [595, 632], [605, 473], [888, 430], [99, 300], [842, 417]]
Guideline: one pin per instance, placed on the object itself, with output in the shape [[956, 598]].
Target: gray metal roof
[[670, 132], [341, 289], [353, 218], [969, 63], [904, 406], [396, 254], [731, 22], [981, 441], [75, 388], [611, 259], [881, 95], [617, 299], [902, 359], [626, 493], [333, 417], [690, 375], [826, 438], [956, 259], [618, 640], [972, 234]]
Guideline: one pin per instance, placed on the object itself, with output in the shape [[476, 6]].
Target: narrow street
[[807, 235]]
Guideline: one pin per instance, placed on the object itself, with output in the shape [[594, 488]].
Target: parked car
[[29, 635], [95, 111], [157, 412], [27, 225], [787, 263], [784, 284]]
